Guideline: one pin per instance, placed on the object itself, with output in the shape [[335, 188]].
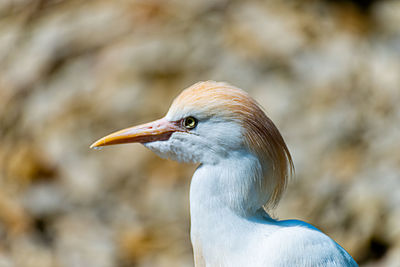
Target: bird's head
[[208, 122]]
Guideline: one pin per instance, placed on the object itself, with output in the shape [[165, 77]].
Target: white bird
[[244, 168]]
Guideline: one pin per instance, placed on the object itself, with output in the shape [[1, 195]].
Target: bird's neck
[[224, 195], [233, 183]]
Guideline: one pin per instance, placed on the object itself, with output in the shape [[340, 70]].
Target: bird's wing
[[304, 245]]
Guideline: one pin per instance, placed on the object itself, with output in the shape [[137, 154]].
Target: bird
[[243, 169]]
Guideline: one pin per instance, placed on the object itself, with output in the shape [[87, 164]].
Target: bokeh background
[[327, 73]]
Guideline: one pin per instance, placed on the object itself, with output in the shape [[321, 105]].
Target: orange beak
[[158, 130]]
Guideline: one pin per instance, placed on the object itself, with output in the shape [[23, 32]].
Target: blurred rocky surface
[[327, 72]]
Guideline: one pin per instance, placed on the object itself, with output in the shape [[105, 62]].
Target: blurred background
[[327, 73]]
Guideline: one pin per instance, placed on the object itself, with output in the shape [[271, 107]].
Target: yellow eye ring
[[189, 122]]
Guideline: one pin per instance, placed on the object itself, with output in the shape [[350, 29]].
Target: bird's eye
[[189, 122]]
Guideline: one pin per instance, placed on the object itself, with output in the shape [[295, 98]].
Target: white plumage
[[244, 168]]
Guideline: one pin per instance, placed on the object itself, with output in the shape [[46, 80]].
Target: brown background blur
[[327, 73]]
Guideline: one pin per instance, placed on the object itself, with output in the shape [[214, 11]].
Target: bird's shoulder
[[297, 243]]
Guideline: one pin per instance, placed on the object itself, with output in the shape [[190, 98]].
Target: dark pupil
[[190, 122]]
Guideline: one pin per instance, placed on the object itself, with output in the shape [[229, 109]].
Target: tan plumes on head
[[265, 140], [261, 135]]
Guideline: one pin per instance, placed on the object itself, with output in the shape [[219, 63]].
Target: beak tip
[[96, 144]]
